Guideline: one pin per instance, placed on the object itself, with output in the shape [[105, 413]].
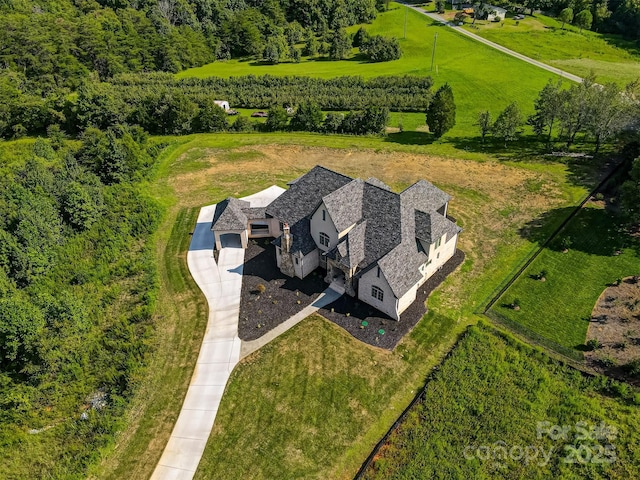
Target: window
[[297, 261], [324, 239], [324, 215], [378, 274], [281, 226], [376, 292], [439, 242]]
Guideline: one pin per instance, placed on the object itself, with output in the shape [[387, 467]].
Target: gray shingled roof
[[387, 223], [431, 226], [303, 197], [350, 251], [229, 216], [377, 183], [255, 213], [424, 196], [401, 267], [345, 213]]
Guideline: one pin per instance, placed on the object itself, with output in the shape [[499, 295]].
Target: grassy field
[[611, 58], [480, 415], [481, 77], [559, 309], [317, 366]]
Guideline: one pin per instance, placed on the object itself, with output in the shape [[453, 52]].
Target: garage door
[[230, 240]]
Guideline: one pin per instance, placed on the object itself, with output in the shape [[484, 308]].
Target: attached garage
[[231, 240]]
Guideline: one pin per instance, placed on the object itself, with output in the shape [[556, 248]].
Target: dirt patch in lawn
[[615, 324], [374, 327], [268, 297]]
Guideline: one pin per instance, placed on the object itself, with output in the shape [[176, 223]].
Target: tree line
[[163, 105], [77, 291], [605, 16], [597, 112]]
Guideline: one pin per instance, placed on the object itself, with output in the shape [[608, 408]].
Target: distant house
[[491, 13], [378, 245], [223, 104]]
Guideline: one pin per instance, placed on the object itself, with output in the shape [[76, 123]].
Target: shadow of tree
[[596, 231], [410, 138]]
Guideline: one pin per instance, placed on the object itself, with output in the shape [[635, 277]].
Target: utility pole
[[406, 9], [433, 55]]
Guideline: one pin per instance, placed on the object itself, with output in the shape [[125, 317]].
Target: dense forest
[[59, 43], [77, 292]]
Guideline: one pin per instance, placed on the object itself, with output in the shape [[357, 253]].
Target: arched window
[[324, 239], [376, 292]]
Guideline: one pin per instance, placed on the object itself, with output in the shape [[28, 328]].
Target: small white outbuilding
[[223, 104]]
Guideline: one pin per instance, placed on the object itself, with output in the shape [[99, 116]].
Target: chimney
[[287, 238]]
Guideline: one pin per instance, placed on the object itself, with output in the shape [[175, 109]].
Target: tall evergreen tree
[[441, 113]]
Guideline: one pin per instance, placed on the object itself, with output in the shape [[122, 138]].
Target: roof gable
[[305, 194], [229, 216], [345, 204]]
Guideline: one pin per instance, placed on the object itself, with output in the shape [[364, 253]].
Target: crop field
[[490, 411], [481, 77]]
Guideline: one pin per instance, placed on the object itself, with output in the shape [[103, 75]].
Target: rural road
[[549, 68]]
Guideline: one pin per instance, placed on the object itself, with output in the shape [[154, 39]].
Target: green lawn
[[610, 57], [559, 308], [481, 77], [479, 419], [283, 414]]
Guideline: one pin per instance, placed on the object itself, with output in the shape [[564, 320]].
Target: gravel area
[[283, 297], [393, 330]]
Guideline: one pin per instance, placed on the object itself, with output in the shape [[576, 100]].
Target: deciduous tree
[[508, 123]]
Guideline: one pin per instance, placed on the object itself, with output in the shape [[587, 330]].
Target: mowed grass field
[[481, 77], [611, 58], [559, 309], [314, 402], [481, 412]]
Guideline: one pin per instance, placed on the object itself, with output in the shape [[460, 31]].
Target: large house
[[379, 245]]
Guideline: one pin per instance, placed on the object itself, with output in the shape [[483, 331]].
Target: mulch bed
[[393, 330], [615, 324], [282, 297]]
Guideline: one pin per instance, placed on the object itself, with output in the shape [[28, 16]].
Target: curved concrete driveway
[[524, 58], [221, 284]]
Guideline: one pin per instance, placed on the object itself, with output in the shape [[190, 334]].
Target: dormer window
[[324, 238]]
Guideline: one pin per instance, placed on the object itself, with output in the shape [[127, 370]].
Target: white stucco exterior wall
[[304, 265], [327, 226], [389, 304]]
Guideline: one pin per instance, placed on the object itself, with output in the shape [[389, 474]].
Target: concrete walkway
[[325, 298], [478, 38]]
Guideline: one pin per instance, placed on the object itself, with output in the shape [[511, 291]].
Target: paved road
[[549, 68]]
